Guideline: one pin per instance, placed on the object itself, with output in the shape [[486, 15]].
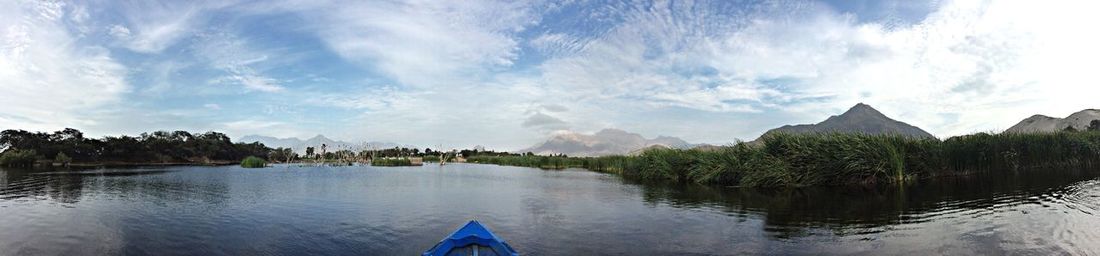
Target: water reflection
[[21, 183], [373, 211], [789, 213], [67, 185]]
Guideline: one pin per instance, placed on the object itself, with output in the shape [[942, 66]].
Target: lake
[[362, 210]]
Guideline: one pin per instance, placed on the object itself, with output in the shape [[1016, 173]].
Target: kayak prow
[[471, 239]]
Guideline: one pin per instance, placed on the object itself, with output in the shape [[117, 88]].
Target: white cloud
[[212, 106], [706, 71], [970, 66], [241, 128], [426, 43], [47, 80], [545, 122], [152, 26], [369, 99], [242, 64], [119, 32]]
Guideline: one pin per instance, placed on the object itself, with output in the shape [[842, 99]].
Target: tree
[[1094, 125], [309, 152], [18, 158], [70, 145], [1070, 129], [282, 154]]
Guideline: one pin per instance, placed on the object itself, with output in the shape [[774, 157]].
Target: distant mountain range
[[299, 145], [861, 118], [1041, 123], [602, 143]]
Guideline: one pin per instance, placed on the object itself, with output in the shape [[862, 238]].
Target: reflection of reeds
[[837, 159]]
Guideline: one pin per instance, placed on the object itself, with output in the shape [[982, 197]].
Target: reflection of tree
[[847, 210], [68, 186], [21, 183]]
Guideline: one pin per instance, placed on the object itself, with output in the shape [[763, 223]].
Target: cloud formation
[[47, 79], [505, 73], [545, 122]]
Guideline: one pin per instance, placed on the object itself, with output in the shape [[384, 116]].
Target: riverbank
[[786, 160]]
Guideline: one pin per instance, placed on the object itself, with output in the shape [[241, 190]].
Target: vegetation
[[285, 155], [392, 161], [18, 158], [253, 162], [62, 159], [157, 147], [837, 159]]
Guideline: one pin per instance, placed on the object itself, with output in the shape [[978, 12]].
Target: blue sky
[[506, 74]]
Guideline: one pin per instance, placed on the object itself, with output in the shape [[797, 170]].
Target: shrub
[[253, 162]]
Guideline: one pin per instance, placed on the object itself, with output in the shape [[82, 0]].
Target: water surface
[[361, 210]]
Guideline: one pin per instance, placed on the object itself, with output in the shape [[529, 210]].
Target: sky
[[507, 74]]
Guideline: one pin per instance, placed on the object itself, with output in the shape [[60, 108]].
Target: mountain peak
[[861, 108], [861, 118]]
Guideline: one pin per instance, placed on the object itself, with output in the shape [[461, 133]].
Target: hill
[[1042, 124], [602, 143], [861, 118]]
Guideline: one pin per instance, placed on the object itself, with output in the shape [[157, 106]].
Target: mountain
[[272, 142], [1041, 123], [602, 143], [299, 145], [861, 118]]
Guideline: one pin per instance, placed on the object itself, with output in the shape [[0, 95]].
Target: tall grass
[[838, 159]]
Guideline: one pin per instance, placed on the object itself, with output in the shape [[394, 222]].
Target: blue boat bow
[[471, 239]]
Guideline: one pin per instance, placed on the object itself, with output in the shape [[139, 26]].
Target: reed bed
[[392, 161], [786, 160]]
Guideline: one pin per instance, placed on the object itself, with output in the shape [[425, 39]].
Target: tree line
[[70, 145], [25, 148]]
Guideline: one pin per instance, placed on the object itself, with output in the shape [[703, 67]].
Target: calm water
[[404, 210]]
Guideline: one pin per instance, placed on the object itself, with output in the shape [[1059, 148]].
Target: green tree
[[18, 158]]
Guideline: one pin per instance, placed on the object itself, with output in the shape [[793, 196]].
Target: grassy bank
[[838, 159]]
